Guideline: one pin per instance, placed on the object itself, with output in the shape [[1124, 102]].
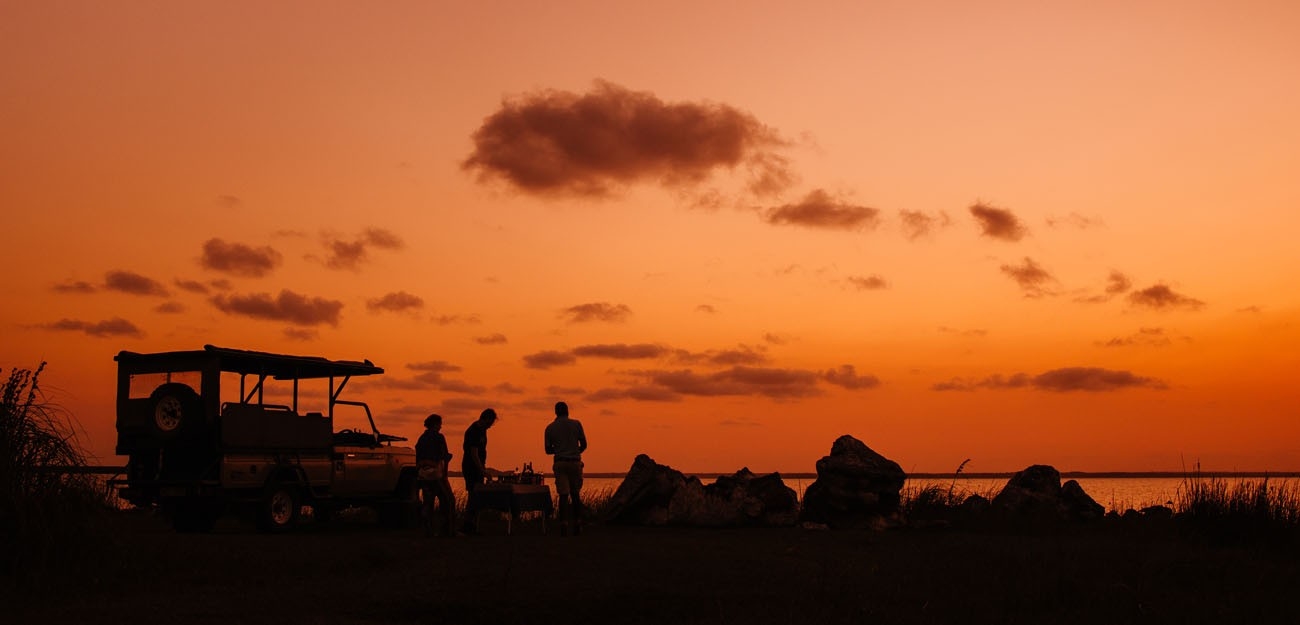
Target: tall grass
[[1248, 510], [47, 513]]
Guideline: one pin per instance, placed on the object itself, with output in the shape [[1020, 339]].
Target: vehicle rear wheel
[[279, 509], [176, 408]]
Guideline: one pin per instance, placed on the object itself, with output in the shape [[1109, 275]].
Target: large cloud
[[1161, 297], [133, 283], [109, 327], [998, 223], [1067, 379], [561, 143], [597, 311], [819, 210], [287, 306], [764, 381], [239, 259], [1031, 277]]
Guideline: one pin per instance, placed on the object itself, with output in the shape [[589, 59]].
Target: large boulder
[[1036, 494], [655, 494], [855, 488]]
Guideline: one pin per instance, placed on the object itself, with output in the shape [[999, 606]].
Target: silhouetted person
[[473, 465], [431, 459], [566, 441]]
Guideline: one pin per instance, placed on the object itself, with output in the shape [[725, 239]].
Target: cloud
[[548, 359], [917, 224], [510, 389], [742, 355], [597, 311], [767, 382], [109, 327], [169, 308], [221, 285], [1150, 337], [350, 255], [1076, 220], [819, 210], [287, 306], [437, 366], [395, 302], [193, 286], [559, 391], [458, 386], [133, 283], [998, 223], [1161, 297], [74, 287], [447, 320], [300, 334], [238, 259], [847, 376], [966, 333], [491, 339], [1064, 380], [228, 201], [868, 283], [775, 339], [1031, 277], [558, 143], [620, 351], [636, 393], [1117, 283], [706, 309]]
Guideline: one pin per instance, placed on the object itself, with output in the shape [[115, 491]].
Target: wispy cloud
[[491, 339], [438, 366], [1032, 278], [868, 283], [239, 259], [398, 301], [819, 209], [133, 284], [597, 311], [620, 351], [1162, 297], [557, 143], [917, 224], [760, 381], [300, 334], [351, 254], [998, 223], [1064, 380], [78, 287], [549, 358], [846, 376], [99, 329], [287, 306], [1075, 220], [458, 319], [1145, 337], [169, 308]]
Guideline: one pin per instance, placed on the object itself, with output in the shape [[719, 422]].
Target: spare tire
[[176, 410]]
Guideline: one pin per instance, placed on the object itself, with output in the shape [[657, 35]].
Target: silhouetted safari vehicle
[[216, 430]]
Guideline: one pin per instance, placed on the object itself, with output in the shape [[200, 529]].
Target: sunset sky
[[726, 233]]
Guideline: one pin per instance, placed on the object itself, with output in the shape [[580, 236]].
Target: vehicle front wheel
[[279, 509]]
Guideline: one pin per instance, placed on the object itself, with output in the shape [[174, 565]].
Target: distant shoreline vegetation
[[708, 475]]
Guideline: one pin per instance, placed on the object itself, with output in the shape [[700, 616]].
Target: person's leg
[[447, 507], [575, 492], [562, 493], [472, 481], [427, 494]]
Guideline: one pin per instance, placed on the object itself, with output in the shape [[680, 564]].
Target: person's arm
[[548, 442], [582, 439]]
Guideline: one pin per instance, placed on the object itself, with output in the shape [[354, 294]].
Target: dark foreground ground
[[352, 571]]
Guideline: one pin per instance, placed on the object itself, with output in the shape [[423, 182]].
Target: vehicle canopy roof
[[277, 366]]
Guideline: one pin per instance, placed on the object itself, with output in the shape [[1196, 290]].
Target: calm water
[[1115, 493]]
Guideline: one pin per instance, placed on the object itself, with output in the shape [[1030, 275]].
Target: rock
[[1162, 513], [1036, 494], [655, 494], [855, 488]]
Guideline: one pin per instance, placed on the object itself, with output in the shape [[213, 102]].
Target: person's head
[[488, 417], [561, 409], [433, 422]]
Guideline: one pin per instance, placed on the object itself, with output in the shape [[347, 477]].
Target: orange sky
[[1009, 232]]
